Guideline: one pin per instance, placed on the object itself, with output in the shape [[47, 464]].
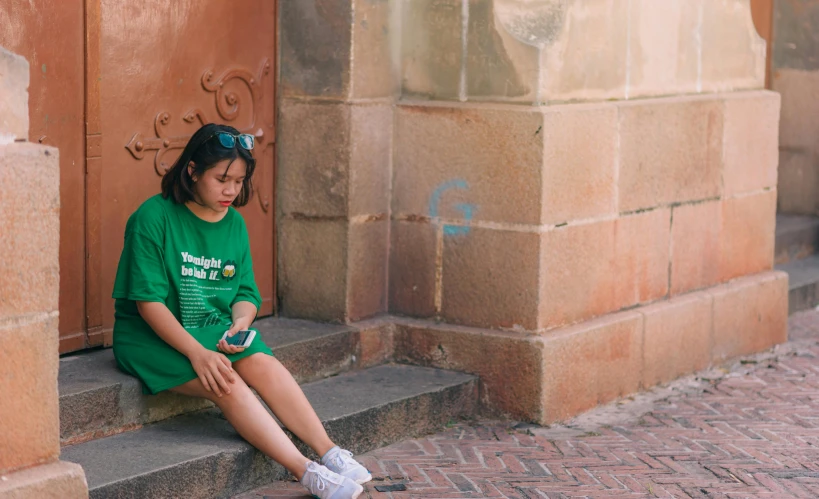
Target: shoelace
[[319, 477], [318, 483], [344, 458]]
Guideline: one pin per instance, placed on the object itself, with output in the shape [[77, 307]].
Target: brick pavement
[[748, 430]]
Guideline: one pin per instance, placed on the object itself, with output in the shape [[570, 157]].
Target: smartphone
[[242, 338]]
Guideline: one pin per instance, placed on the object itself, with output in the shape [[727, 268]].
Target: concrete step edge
[[362, 410], [797, 237], [803, 283], [96, 399]]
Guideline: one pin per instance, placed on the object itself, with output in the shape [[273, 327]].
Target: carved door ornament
[[228, 105]]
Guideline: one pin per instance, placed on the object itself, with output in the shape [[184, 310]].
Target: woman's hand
[[214, 370], [244, 313], [234, 328]]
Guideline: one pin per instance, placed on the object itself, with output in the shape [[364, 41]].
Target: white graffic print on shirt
[[194, 293]]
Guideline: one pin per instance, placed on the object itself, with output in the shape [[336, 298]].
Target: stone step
[[199, 455], [96, 399], [797, 237], [803, 283]]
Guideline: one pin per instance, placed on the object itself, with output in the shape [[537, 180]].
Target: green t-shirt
[[198, 269]]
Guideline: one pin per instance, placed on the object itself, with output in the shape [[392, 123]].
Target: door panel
[[166, 67], [50, 36]]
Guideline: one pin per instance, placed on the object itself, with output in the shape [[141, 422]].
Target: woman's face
[[217, 188]]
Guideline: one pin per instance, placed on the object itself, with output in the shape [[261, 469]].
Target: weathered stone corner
[[338, 84], [29, 344], [320, 39], [59, 480], [333, 231]]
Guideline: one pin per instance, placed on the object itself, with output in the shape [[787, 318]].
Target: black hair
[[205, 151]]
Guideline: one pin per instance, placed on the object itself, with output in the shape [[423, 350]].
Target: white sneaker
[[325, 484], [341, 461]]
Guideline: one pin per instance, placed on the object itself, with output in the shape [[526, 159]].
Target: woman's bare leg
[[274, 383], [244, 411]]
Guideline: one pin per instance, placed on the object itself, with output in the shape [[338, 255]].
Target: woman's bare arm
[[213, 368], [163, 322], [244, 313]]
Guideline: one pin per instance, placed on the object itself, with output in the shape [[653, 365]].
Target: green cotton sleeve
[[141, 273], [248, 291]]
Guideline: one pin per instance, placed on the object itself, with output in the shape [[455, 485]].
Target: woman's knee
[[256, 362], [260, 368], [239, 392], [236, 390]]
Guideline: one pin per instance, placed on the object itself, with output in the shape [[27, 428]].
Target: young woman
[[184, 278]]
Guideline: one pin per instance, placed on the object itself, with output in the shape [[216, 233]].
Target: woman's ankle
[[296, 463], [324, 448], [300, 470]]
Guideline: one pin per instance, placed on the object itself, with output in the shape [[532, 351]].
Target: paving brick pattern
[[751, 430]]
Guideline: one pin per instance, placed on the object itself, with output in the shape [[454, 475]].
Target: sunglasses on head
[[228, 140]]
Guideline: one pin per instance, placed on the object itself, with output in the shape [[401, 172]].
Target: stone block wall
[[29, 225], [616, 234], [580, 193], [566, 50], [337, 88], [531, 218], [553, 375], [795, 75]]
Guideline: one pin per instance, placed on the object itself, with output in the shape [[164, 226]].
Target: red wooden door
[[50, 36], [119, 87]]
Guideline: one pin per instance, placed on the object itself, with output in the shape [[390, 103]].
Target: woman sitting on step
[[185, 277]]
